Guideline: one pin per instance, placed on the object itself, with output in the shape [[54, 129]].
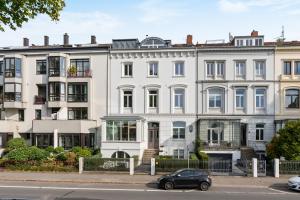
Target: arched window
[[292, 98], [120, 154]]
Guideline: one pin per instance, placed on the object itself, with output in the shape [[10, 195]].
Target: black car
[[185, 178]]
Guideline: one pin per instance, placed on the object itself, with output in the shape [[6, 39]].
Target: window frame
[[82, 96], [57, 94], [12, 96], [287, 69], [210, 68], [291, 96], [129, 98], [178, 154], [258, 98], [127, 70], [153, 68], [297, 68], [179, 98], [260, 66], [179, 66], [240, 68], [153, 98], [179, 130], [259, 132], [240, 98], [85, 65], [43, 65], [117, 129]]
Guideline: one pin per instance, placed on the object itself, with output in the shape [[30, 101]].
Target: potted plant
[[72, 70]]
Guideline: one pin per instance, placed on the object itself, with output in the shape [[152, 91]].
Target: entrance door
[[243, 134], [153, 135]]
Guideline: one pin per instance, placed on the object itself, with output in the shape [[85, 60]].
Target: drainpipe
[[197, 94]]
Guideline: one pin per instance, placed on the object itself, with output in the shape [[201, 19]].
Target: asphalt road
[[69, 191]]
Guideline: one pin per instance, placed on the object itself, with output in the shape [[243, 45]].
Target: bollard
[[254, 167], [131, 166], [152, 173], [276, 168], [81, 165]]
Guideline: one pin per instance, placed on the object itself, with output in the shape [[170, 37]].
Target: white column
[[276, 168], [131, 166], [152, 173], [81, 165], [254, 167], [55, 138]]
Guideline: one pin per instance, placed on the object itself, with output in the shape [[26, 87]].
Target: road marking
[[276, 192]]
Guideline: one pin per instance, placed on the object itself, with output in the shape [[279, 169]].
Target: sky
[[168, 19]]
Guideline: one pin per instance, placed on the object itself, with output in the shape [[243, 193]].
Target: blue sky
[[169, 19]]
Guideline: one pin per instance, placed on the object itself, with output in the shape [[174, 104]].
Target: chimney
[[93, 39], [189, 40], [46, 40], [25, 42], [66, 39], [254, 33]]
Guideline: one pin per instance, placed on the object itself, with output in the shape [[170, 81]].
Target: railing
[[39, 99], [86, 73], [77, 97], [106, 164], [289, 167], [220, 144], [56, 97], [257, 145], [212, 166]]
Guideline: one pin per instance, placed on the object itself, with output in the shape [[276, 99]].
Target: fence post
[[276, 168], [81, 163], [131, 166], [152, 173], [254, 167]]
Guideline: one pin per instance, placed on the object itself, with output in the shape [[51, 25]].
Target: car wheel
[[168, 185], [203, 186]]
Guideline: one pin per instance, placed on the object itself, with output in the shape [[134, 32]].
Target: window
[[38, 114], [120, 154], [220, 68], [127, 69], [178, 153], [259, 132], [240, 98], [179, 69], [215, 132], [258, 42], [210, 68], [287, 67], [41, 67], [292, 98], [56, 66], [153, 69], [67, 141], [178, 130], [12, 92], [44, 140], [153, 98], [77, 113], [56, 91], [121, 130], [21, 115], [127, 98], [260, 68], [1, 68], [79, 68], [12, 67], [249, 42], [77, 92], [178, 98], [240, 68], [215, 98], [260, 97], [297, 68]]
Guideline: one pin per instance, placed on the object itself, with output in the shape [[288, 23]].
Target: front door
[[153, 135], [243, 134]]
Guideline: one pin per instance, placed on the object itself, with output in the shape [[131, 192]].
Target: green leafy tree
[[286, 143], [14, 13]]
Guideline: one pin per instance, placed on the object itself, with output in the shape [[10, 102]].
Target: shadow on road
[[283, 187]]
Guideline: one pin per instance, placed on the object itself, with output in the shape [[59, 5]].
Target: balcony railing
[[77, 97], [39, 99], [85, 73], [220, 144], [57, 97]]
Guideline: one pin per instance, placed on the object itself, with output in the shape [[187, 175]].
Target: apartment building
[[50, 96], [236, 91], [142, 98], [152, 99]]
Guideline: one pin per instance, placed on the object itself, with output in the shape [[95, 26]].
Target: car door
[[184, 179]]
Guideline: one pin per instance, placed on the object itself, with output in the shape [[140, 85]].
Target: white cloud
[[235, 6], [78, 24], [158, 11]]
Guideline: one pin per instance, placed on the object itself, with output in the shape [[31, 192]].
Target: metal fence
[[105, 164], [212, 166], [289, 167]]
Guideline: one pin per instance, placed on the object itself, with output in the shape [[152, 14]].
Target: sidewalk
[[221, 181]]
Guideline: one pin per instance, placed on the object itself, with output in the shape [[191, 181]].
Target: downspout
[[197, 93]]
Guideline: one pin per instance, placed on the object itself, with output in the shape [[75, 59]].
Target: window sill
[[152, 76], [178, 140], [178, 76], [126, 76]]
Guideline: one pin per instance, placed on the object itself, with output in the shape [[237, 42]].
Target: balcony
[[220, 145], [64, 126], [39, 100], [74, 73]]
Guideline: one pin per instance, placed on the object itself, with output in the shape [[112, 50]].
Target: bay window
[[12, 67], [56, 66], [56, 91], [121, 131], [77, 92], [12, 92]]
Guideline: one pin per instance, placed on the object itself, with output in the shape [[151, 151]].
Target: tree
[[14, 13], [286, 143]]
